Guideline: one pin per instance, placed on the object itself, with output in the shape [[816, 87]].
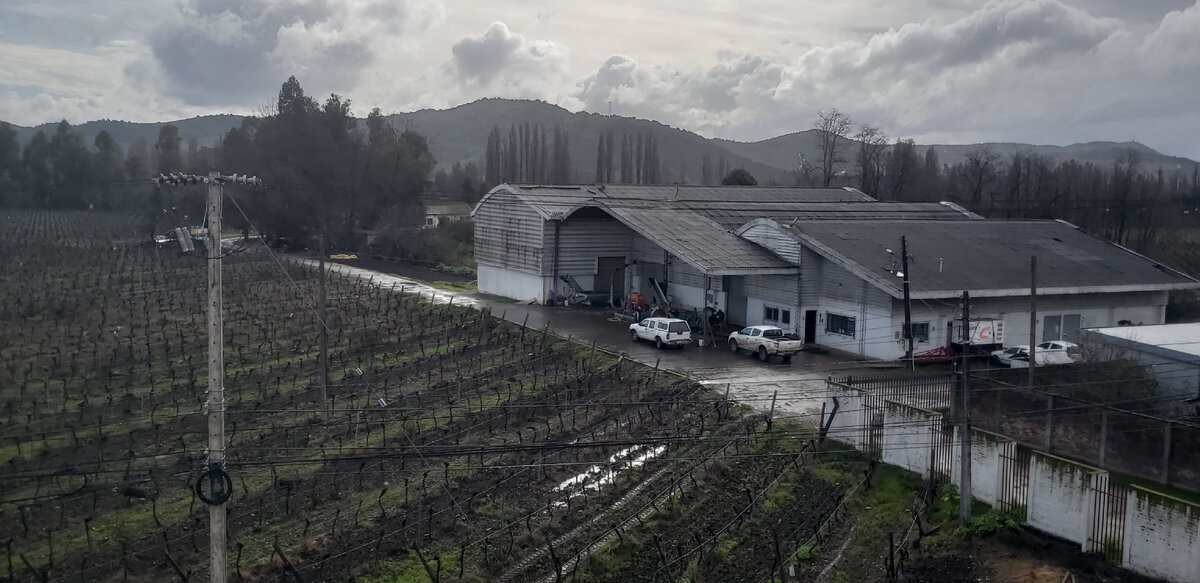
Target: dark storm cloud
[[234, 51]]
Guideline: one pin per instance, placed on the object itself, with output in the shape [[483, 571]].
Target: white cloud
[[500, 57]]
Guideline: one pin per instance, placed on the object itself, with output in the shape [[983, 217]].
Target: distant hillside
[[784, 152], [460, 134], [206, 130], [1098, 153]]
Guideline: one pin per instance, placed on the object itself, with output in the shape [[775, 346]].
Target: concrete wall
[[985, 464], [1060, 498], [511, 283], [1162, 537], [907, 434], [873, 327], [849, 421]]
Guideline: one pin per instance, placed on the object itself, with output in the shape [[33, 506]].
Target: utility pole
[[1032, 316], [964, 412], [219, 483], [323, 335], [216, 381], [908, 337]]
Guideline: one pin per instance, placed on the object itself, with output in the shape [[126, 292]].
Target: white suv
[[663, 331]]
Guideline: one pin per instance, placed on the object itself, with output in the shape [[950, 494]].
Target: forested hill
[[205, 130], [784, 151], [459, 135]]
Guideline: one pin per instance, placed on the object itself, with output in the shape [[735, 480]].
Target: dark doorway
[[810, 326], [735, 300], [610, 277]]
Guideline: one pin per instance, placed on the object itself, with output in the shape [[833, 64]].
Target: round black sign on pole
[[221, 486]]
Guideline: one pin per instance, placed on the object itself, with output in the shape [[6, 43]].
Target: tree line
[[61, 171], [328, 173], [1125, 202]]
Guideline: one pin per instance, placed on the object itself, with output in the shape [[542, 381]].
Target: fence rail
[[1107, 535], [925, 391]]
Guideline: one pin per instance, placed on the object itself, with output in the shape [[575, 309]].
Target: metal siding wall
[[681, 273], [646, 250], [811, 265], [508, 234], [839, 284], [581, 241], [779, 290]]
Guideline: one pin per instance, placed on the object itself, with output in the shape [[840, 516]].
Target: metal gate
[[941, 454], [1013, 487], [1107, 534]]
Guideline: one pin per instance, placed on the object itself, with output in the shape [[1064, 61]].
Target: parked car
[[662, 331], [1070, 348], [1052, 352], [765, 341]]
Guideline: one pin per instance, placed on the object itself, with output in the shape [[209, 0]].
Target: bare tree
[[979, 171], [872, 144], [832, 128]]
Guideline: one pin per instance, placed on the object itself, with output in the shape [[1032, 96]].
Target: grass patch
[[456, 285]]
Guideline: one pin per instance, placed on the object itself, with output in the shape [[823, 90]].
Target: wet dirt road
[[799, 387]]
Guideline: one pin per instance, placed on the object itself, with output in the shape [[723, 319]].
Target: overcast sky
[[946, 71]]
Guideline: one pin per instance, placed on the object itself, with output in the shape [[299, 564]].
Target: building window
[[429, 221], [920, 331], [1065, 327], [838, 324], [774, 314]]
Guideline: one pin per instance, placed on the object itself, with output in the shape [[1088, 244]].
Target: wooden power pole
[[1032, 316], [964, 412], [908, 336], [216, 380], [323, 335]]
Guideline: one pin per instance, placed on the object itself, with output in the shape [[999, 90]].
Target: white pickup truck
[[765, 341]]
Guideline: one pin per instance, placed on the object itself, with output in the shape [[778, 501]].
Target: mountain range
[[459, 135]]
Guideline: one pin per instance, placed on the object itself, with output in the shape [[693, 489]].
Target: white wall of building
[[511, 283]]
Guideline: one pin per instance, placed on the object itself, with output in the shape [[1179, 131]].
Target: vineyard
[[453, 446]]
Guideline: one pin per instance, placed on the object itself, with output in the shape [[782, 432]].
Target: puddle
[[599, 475]]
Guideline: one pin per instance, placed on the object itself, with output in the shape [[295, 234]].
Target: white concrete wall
[[1060, 497], [1162, 537], [754, 315], [906, 436], [511, 283], [850, 420], [985, 464], [873, 329], [686, 297]]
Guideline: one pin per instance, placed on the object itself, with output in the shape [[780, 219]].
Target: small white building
[[446, 212], [1171, 351], [851, 291]]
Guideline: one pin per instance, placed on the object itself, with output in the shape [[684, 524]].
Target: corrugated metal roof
[[986, 258], [700, 241], [556, 202], [696, 222]]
